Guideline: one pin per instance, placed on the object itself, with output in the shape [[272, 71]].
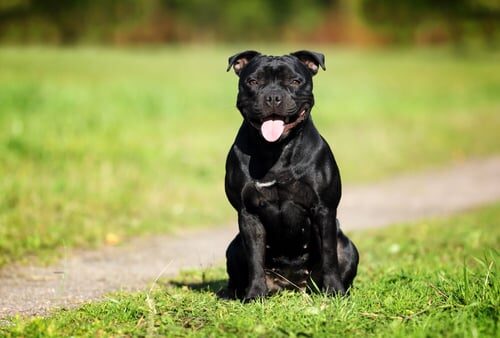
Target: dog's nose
[[274, 99]]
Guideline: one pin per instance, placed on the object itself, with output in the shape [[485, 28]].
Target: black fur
[[286, 192]]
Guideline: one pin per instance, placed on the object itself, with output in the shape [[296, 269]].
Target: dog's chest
[[277, 194], [284, 208]]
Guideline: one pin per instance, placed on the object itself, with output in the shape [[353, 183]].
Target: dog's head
[[275, 92]]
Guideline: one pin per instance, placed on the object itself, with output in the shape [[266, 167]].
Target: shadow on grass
[[213, 286]]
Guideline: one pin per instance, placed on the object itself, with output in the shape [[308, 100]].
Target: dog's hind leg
[[348, 258]]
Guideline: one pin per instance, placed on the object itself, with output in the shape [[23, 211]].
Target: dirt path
[[89, 275]]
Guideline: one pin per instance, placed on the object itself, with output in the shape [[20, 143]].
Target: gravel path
[[89, 275]]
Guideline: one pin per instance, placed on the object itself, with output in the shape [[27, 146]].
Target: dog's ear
[[240, 60], [312, 60]]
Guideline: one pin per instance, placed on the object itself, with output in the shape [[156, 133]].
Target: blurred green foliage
[[70, 21], [358, 21], [457, 16]]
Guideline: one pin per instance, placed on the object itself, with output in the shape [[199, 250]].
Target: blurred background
[[362, 22], [116, 116]]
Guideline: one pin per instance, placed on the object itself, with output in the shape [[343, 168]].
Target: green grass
[[428, 279], [104, 144]]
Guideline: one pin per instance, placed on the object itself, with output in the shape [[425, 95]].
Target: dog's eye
[[252, 82], [296, 82]]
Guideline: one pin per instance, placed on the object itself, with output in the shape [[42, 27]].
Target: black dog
[[283, 180]]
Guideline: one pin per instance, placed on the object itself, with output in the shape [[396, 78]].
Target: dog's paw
[[227, 293], [332, 286], [334, 292], [255, 291]]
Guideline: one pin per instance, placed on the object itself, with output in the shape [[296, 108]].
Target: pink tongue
[[272, 129]]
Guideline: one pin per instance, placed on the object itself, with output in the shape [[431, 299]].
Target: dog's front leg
[[327, 228], [253, 234]]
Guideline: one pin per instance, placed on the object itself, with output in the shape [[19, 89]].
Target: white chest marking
[[265, 184]]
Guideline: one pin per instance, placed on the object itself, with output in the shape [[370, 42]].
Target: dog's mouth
[[273, 127]]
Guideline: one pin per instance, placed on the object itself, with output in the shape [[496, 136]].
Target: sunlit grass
[[427, 279]]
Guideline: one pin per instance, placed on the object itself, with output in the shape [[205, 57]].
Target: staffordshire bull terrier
[[282, 179]]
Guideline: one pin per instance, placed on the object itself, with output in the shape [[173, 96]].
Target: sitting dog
[[282, 179]]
